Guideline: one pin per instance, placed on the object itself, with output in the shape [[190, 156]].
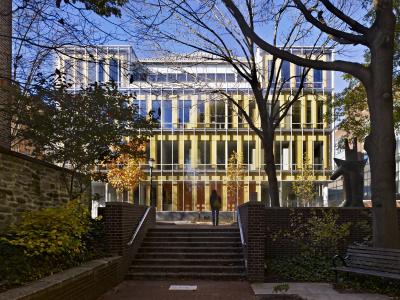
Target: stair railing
[[243, 241], [139, 226]]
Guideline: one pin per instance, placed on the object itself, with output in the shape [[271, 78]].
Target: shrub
[[48, 241], [317, 239]]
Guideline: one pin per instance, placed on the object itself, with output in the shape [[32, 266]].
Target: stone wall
[[31, 184]]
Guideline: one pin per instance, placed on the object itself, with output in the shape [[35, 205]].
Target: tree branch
[[355, 69], [354, 25], [351, 38]]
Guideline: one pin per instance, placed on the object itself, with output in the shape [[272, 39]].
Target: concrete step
[[193, 234], [191, 244], [184, 275], [211, 250], [186, 268], [203, 239], [188, 229], [189, 261], [189, 255]]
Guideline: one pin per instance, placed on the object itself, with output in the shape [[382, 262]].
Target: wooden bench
[[369, 261]]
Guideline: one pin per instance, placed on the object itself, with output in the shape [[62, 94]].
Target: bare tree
[[41, 32], [376, 77], [206, 28]]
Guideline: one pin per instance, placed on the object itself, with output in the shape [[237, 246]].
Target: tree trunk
[[270, 169], [380, 143], [5, 71]]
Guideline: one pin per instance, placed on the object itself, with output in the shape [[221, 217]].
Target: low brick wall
[[278, 219], [87, 281], [261, 223], [94, 278], [27, 183]]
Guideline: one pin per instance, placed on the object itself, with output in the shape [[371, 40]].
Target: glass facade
[[199, 131]]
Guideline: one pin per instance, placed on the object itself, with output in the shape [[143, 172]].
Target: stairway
[[189, 252]]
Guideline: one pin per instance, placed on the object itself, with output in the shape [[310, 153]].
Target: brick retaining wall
[[87, 281], [27, 183], [259, 224], [94, 278]]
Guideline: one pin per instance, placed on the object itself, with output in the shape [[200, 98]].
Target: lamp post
[[151, 164]]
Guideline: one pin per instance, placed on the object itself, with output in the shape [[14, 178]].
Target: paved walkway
[[314, 291], [159, 290], [225, 290]]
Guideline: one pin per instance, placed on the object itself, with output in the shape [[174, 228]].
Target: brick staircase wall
[[259, 223]]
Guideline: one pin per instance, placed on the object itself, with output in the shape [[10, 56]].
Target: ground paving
[[226, 290], [158, 290], [315, 291]]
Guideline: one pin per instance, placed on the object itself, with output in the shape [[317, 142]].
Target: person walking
[[215, 204]]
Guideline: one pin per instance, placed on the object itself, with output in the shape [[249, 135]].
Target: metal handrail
[[139, 226], [241, 229], [244, 244]]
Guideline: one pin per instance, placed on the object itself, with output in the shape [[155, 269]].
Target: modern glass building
[[199, 129]]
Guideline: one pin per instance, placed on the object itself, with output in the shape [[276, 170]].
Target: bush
[[48, 241], [317, 239]]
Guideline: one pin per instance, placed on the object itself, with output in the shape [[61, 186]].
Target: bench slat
[[366, 266], [368, 272], [390, 262], [395, 252]]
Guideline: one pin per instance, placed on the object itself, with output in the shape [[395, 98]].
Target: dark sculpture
[[352, 170]]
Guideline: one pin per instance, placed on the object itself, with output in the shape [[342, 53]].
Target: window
[[171, 77], [79, 72], [320, 114], [114, 70], [156, 109], [248, 152], [68, 70], [232, 147], [318, 153], [187, 153], [184, 111], [296, 115], [299, 74], [101, 71], [294, 154], [240, 78], [91, 72], [317, 79], [285, 74], [217, 113], [181, 77], [152, 77], [308, 114], [221, 155], [230, 77], [210, 77], [141, 106], [271, 69], [200, 111], [166, 113], [220, 77], [161, 77], [201, 77], [204, 153], [167, 154]]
